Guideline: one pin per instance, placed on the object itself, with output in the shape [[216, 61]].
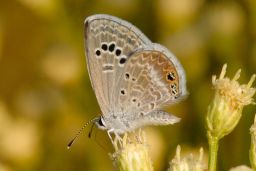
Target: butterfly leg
[[118, 138], [138, 135], [109, 135]]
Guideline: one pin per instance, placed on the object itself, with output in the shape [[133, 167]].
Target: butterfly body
[[132, 77]]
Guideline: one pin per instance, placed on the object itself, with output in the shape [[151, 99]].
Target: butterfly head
[[100, 122]]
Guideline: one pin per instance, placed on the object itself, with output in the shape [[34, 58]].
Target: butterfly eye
[[101, 122]]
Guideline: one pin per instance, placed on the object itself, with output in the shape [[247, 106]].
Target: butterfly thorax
[[115, 123]]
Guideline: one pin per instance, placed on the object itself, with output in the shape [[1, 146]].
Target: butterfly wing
[[108, 42], [152, 78]]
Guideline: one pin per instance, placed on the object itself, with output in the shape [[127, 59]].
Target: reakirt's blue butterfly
[[132, 77]]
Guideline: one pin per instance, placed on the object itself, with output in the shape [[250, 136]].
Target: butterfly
[[133, 78]]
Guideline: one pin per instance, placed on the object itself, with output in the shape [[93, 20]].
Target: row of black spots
[[110, 48], [118, 52]]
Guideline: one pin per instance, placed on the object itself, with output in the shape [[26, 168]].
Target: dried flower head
[[131, 153], [230, 97], [188, 163]]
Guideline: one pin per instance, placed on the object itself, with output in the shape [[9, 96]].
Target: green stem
[[253, 154], [213, 147]]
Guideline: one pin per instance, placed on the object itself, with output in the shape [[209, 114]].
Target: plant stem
[[213, 147]]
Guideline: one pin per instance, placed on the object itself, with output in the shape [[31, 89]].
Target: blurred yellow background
[[46, 95]]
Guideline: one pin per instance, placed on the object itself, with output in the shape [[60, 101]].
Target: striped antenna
[[80, 131]]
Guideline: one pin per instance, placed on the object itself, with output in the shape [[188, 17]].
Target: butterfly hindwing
[[150, 81]]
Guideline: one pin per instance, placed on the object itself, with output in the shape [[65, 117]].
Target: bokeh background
[[46, 95]]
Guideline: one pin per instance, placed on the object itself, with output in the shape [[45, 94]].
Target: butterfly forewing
[[109, 41], [150, 81]]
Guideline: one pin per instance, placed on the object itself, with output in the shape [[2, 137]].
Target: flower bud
[[230, 97], [131, 154]]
